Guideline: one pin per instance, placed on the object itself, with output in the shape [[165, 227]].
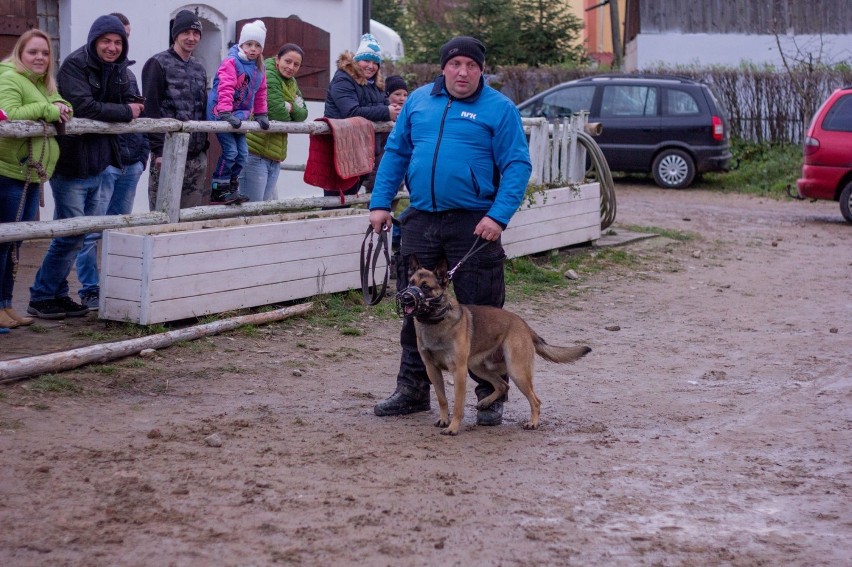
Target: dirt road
[[713, 428]]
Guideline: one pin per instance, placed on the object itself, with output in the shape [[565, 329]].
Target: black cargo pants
[[479, 281]]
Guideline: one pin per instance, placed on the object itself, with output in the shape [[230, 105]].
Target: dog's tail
[[558, 353]]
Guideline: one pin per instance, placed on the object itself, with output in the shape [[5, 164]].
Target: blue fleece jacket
[[467, 154]]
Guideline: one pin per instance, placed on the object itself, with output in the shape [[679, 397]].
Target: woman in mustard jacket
[[27, 92]]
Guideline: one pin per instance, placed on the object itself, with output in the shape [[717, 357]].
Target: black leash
[[477, 246], [369, 258]]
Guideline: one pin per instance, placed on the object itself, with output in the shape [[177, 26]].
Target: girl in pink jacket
[[239, 90]]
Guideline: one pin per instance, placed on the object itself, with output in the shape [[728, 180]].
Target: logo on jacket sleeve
[[466, 114]]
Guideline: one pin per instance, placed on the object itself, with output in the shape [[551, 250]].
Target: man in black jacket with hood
[[94, 80]]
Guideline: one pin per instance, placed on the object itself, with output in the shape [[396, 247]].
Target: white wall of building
[[651, 50], [149, 21]]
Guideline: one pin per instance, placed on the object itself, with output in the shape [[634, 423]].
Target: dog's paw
[[530, 425], [449, 431], [442, 423]]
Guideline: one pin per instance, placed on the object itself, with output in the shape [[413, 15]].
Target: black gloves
[[231, 119], [263, 120]]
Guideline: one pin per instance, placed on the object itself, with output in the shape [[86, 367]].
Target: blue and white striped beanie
[[369, 50]]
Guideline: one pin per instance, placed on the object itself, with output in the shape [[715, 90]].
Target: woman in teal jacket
[[27, 92], [284, 104]]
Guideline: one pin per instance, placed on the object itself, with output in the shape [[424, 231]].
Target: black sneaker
[[90, 300], [227, 198], [71, 307], [492, 415], [46, 309], [401, 404]]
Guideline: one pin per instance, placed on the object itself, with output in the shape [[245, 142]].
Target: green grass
[[530, 276], [56, 384], [761, 169]]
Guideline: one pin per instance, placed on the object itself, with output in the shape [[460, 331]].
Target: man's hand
[[231, 119], [380, 220], [487, 229], [136, 109], [394, 111], [263, 120]]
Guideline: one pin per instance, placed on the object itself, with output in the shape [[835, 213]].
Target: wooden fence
[[554, 151]]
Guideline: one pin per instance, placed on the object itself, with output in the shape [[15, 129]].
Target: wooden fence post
[[171, 174], [577, 153]]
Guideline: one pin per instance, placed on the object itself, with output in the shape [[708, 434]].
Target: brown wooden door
[[314, 75], [16, 17]]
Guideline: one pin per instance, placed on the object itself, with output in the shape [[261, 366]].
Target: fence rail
[[554, 151]]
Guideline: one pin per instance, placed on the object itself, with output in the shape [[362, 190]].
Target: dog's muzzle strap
[[372, 292]]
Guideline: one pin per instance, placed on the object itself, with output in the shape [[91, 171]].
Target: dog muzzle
[[410, 301]]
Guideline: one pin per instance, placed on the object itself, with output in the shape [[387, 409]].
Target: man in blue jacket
[[461, 148]]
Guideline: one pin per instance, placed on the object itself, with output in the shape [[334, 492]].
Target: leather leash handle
[[369, 259]]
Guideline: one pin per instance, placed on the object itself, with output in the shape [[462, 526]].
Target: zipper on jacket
[[435, 157]]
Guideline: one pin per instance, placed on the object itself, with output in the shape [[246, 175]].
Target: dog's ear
[[441, 272], [413, 264]]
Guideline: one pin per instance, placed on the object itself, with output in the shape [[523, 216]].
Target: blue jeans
[[72, 198], [233, 158], [11, 191], [117, 192], [259, 179]]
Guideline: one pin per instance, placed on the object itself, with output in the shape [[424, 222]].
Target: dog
[[488, 341]]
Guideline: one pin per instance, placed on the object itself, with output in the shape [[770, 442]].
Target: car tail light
[[718, 129], [811, 146]]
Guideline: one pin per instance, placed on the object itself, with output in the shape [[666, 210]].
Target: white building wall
[[651, 50], [149, 21]]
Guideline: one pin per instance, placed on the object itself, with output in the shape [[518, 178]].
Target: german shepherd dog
[[489, 341]]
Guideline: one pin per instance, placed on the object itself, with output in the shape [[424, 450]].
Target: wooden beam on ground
[[18, 368]]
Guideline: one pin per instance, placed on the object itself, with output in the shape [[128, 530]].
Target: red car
[[827, 168]]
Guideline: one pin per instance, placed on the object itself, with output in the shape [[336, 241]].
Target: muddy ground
[[713, 427]]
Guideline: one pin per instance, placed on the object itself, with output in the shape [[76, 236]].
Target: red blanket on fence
[[335, 161]]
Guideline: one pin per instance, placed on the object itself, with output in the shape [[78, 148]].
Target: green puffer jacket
[[278, 90], [24, 97]]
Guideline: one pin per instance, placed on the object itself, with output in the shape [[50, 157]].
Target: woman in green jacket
[[27, 92], [267, 151]]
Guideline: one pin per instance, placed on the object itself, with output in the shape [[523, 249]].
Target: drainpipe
[[365, 16]]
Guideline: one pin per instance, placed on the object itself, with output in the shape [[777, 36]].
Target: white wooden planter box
[[170, 272], [557, 218]]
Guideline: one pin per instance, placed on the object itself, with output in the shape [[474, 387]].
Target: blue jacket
[[467, 154]]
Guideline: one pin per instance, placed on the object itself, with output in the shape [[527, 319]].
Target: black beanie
[[463, 45], [395, 83], [185, 20]]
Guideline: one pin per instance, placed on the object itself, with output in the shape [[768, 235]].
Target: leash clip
[[476, 247]]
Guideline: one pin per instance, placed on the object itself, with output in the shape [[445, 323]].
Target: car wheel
[[673, 169], [846, 202]]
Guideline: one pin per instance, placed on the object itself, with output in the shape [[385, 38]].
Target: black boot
[[226, 194], [492, 415], [239, 198], [402, 402]]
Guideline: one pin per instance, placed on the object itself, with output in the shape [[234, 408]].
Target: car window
[[681, 103], [626, 100], [839, 117], [564, 102]]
